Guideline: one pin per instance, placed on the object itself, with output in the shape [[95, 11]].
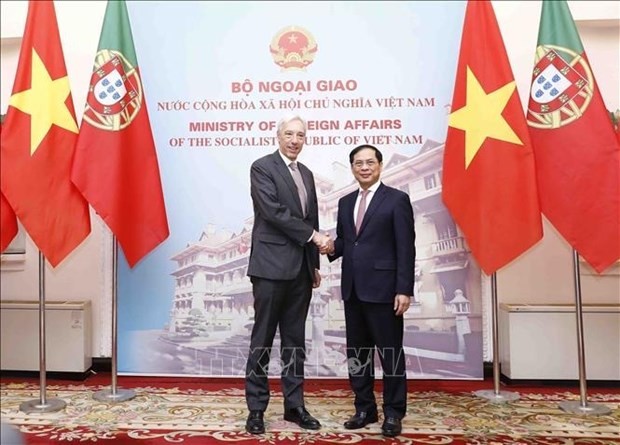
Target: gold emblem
[[115, 92], [293, 48], [562, 87]]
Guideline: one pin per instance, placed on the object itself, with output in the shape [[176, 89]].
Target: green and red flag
[[115, 164], [577, 153], [489, 177], [38, 142]]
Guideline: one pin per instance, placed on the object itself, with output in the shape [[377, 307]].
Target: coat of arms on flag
[[115, 91], [560, 91], [115, 165], [576, 150]]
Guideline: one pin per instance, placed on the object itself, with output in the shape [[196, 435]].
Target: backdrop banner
[[218, 76]]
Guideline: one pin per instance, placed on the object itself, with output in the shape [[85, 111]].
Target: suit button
[[355, 243]]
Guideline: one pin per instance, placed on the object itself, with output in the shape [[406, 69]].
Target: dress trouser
[[283, 304], [370, 325]]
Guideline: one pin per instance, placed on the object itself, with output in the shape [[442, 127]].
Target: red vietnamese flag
[[38, 142], [577, 153], [489, 182], [115, 163], [8, 221]]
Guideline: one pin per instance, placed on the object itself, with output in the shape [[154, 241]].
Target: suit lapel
[[375, 202], [349, 209]]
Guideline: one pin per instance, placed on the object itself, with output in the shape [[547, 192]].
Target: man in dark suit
[[376, 240], [283, 267]]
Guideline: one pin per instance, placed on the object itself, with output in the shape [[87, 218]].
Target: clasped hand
[[323, 242]]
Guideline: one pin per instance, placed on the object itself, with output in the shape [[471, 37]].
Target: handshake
[[324, 243]]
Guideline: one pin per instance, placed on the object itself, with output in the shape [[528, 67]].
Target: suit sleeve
[[339, 241], [265, 197], [404, 233]]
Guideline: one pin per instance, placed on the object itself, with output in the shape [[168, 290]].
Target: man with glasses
[[283, 268], [376, 240]]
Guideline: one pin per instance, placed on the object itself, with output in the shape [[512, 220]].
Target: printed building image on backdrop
[[212, 311], [187, 309]]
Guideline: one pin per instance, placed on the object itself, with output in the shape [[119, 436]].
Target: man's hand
[[321, 240], [328, 249], [401, 304], [317, 279]]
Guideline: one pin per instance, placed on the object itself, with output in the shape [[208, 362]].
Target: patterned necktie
[[301, 189], [361, 210]]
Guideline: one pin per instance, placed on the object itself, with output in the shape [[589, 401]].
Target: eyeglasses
[[370, 163]]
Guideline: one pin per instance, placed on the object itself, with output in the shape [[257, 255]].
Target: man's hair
[[285, 120], [378, 154]]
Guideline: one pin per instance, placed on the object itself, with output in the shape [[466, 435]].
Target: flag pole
[[114, 394], [43, 405], [495, 395], [581, 407]]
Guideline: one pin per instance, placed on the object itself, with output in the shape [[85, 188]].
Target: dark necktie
[[361, 210], [301, 188]]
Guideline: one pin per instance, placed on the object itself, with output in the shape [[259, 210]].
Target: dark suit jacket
[[380, 260], [280, 234]]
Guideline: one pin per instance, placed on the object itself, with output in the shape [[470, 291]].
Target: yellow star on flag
[[44, 102], [482, 118]]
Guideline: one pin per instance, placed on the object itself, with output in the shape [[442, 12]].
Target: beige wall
[[544, 274]]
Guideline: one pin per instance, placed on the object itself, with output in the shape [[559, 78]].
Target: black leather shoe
[[255, 423], [361, 419], [302, 417], [391, 427]]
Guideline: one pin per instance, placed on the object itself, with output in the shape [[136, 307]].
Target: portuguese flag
[[577, 153], [115, 165], [489, 179], [38, 143]]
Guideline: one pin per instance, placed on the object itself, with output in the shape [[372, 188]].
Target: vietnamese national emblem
[[293, 48]]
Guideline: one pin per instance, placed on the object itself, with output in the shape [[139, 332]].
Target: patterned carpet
[[164, 415]]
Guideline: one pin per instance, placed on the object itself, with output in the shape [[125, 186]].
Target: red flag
[[489, 182], [116, 164], [577, 153], [8, 221], [38, 142]]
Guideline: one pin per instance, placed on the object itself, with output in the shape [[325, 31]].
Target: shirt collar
[[286, 160], [372, 189]]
